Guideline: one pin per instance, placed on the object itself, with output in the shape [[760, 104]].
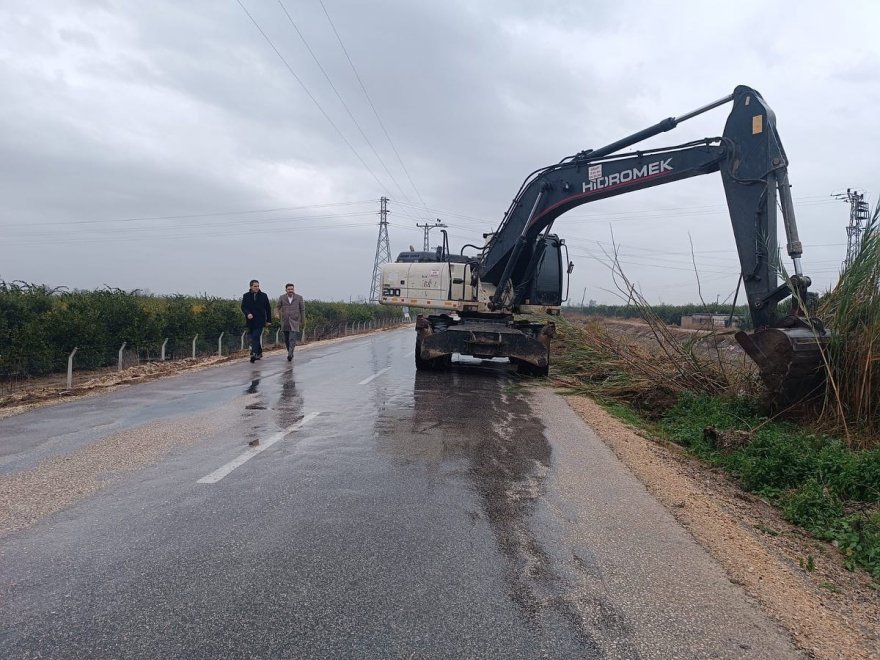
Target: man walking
[[291, 309], [258, 313]]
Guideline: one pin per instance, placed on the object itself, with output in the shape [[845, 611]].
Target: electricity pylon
[[383, 251], [858, 214]]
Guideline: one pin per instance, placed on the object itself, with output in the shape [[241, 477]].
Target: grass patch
[[816, 480]]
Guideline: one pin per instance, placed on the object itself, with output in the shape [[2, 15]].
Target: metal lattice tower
[[383, 251], [428, 228], [858, 218]]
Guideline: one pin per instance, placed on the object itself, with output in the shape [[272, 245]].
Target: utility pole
[[858, 216], [428, 228], [383, 251]]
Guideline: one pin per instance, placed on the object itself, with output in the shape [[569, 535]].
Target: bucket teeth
[[789, 360]]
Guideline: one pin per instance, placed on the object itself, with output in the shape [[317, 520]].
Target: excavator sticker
[[757, 124]]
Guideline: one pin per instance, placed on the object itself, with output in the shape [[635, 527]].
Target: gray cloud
[[116, 111]]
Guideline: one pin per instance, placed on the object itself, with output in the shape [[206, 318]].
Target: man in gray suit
[[291, 310]]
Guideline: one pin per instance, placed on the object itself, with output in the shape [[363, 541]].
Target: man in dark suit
[[258, 313]]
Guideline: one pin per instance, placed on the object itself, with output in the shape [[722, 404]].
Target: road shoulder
[[829, 611]]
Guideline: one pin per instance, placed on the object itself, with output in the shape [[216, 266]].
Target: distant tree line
[[671, 314]]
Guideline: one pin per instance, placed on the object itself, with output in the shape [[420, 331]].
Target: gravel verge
[[829, 611]]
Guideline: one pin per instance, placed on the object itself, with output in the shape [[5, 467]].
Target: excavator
[[479, 300]]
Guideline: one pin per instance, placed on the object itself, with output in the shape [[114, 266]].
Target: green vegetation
[[40, 326], [819, 483]]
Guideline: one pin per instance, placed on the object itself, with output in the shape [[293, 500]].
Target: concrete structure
[[709, 321]]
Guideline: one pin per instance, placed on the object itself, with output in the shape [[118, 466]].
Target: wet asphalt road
[[384, 514]]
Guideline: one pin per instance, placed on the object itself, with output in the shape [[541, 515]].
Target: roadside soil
[[799, 581]]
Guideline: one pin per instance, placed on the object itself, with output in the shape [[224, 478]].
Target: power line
[[634, 214], [180, 217], [341, 100], [370, 101], [170, 234], [246, 222], [309, 94]]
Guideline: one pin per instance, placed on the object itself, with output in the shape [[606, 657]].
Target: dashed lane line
[[375, 375], [218, 474]]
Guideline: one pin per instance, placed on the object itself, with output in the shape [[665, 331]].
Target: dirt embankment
[[799, 581]]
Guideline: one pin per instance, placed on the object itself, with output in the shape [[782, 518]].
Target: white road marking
[[375, 375], [218, 474]]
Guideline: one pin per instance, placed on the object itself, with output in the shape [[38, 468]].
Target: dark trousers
[[290, 339], [256, 333]]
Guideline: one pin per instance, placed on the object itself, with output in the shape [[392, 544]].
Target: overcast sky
[[187, 147]]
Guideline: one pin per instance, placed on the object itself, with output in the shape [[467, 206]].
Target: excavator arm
[[563, 187], [753, 167]]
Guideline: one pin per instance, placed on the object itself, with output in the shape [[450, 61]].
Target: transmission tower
[[428, 228], [383, 251], [858, 217]]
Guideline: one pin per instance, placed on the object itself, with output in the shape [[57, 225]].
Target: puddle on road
[[478, 423]]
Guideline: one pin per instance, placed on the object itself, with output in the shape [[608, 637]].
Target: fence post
[[220, 345], [164, 344], [242, 339], [70, 369], [121, 348], [194, 345]]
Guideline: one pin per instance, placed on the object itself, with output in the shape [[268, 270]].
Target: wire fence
[[85, 364]]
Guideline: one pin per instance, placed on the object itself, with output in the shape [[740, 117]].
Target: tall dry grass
[[852, 312], [647, 370], [612, 365], [650, 371]]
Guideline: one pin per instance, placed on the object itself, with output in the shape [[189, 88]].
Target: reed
[[851, 310], [648, 372]]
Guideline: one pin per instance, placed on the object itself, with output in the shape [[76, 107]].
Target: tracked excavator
[[480, 301]]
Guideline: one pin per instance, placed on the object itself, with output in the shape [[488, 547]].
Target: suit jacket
[[292, 313], [258, 305]]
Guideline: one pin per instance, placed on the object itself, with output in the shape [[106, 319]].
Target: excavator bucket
[[790, 361]]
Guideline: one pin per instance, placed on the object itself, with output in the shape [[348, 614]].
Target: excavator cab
[[545, 288]]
